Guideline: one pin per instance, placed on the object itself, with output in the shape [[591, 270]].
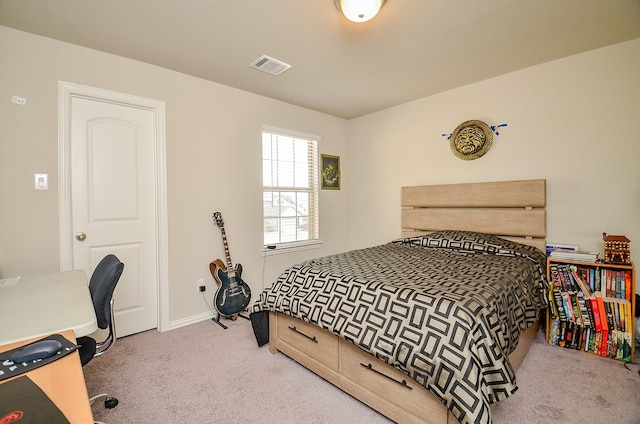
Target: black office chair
[[102, 285]]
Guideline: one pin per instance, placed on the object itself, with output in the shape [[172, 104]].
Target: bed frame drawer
[[390, 384], [309, 339], [338, 362]]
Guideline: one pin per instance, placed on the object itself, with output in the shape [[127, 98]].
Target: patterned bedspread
[[446, 309]]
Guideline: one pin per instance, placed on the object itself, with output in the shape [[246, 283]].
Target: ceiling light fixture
[[359, 10]]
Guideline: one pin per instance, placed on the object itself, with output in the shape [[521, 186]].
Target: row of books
[[596, 319], [592, 281], [574, 255], [613, 344]]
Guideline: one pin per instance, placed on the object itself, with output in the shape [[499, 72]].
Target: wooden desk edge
[[63, 381]]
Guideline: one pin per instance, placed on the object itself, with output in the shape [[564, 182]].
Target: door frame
[[67, 90]]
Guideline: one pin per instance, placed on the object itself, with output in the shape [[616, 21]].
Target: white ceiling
[[412, 49]]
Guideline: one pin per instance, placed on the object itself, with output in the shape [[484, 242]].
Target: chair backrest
[[102, 285]]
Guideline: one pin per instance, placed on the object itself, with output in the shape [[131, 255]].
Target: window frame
[[313, 190]]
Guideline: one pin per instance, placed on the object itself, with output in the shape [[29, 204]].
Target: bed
[[430, 327]]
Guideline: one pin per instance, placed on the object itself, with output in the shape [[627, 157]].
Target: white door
[[113, 202]]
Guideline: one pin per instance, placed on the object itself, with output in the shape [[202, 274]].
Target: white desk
[[40, 305]]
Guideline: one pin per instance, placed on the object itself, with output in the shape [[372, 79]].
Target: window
[[289, 189]]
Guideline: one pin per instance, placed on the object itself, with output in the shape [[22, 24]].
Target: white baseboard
[[190, 320]]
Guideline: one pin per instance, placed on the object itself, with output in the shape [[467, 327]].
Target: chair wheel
[[110, 403]]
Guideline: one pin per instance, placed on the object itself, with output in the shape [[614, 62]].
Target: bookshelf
[[591, 307]]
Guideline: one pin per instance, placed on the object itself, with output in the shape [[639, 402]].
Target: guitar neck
[[230, 270]]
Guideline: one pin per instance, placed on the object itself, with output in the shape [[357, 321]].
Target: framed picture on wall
[[330, 172]]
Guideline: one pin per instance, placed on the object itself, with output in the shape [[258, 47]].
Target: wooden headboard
[[514, 210]]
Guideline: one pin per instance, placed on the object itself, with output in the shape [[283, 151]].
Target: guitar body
[[233, 294]]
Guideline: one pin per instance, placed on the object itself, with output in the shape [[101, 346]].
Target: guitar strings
[[204, 298]]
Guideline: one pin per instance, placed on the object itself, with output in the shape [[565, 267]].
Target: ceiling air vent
[[270, 65]]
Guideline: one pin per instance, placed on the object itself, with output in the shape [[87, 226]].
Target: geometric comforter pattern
[[446, 309]]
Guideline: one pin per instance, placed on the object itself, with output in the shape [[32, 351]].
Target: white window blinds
[[289, 189]]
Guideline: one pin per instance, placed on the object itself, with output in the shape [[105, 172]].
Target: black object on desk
[[22, 401], [9, 369]]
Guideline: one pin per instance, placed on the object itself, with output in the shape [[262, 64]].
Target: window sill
[[281, 248]]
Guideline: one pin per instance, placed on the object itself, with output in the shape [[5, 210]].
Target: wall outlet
[[19, 100], [200, 284]]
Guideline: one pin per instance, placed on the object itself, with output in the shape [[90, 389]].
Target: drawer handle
[[313, 339], [403, 383]]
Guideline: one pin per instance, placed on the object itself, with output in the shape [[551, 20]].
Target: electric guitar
[[233, 294]]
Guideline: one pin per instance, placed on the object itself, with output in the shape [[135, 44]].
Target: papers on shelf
[[574, 255], [555, 246]]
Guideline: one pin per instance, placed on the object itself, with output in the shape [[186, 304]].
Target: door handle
[[313, 339], [403, 383], [81, 236]]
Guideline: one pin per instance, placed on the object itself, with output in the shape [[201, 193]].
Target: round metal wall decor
[[471, 140]]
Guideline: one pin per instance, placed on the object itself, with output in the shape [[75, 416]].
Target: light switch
[[42, 181]]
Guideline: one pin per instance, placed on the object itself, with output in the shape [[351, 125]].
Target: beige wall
[[213, 163], [573, 121]]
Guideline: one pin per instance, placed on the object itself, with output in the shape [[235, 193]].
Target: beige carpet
[[204, 374]]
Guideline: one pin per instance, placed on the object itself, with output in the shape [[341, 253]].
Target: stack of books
[[574, 255], [591, 310]]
